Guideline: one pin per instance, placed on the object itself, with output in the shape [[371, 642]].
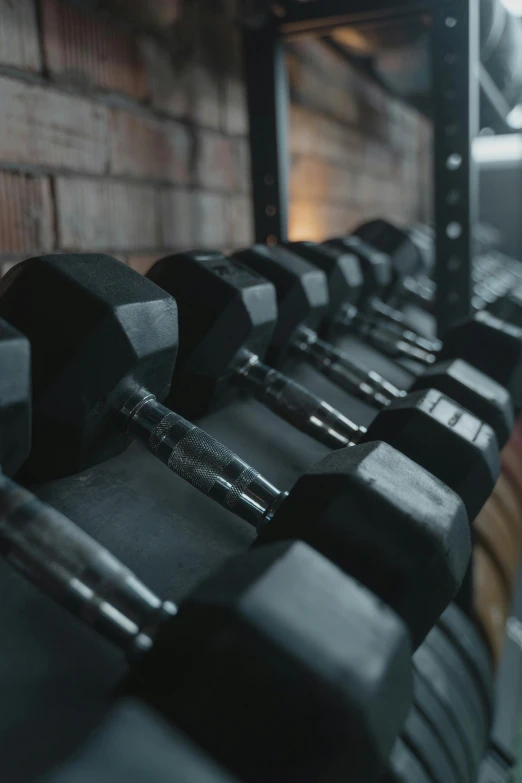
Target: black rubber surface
[[422, 740], [455, 665], [461, 631], [405, 767], [448, 693], [432, 710], [56, 675]]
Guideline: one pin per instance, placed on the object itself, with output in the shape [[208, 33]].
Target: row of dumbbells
[[391, 513]]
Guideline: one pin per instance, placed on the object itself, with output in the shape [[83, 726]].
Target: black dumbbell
[[426, 425], [480, 394], [489, 343], [279, 665], [302, 300], [134, 745], [367, 313], [226, 316], [97, 383]]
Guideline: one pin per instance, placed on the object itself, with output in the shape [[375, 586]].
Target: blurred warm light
[[305, 221]]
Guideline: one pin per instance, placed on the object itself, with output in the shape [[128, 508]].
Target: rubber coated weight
[[491, 601], [363, 508], [475, 391], [432, 711], [302, 294], [404, 767], [134, 745], [508, 307], [428, 748], [461, 630], [455, 665], [492, 346], [223, 308], [430, 667], [494, 532], [376, 267], [121, 333], [255, 651], [84, 396], [446, 440], [405, 256]]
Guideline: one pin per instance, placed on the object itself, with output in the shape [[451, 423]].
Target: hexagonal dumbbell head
[[97, 331], [302, 293], [284, 669], [376, 266], [509, 307], [15, 399], [223, 309], [342, 270], [384, 236], [492, 346], [479, 393], [445, 439], [386, 521]]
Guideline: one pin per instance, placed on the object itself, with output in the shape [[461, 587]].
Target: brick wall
[[128, 134]]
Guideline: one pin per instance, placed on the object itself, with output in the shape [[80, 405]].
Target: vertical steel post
[[268, 112], [456, 95]]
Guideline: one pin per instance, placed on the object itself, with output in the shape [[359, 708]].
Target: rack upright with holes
[[456, 92]]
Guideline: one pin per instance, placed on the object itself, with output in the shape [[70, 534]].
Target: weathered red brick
[[236, 113], [160, 14], [144, 147], [304, 131], [26, 214], [79, 47], [179, 224], [241, 221], [183, 90], [211, 211], [218, 161], [43, 127], [99, 214], [19, 44]]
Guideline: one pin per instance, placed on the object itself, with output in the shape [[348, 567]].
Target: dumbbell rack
[[60, 674], [457, 85], [462, 92]]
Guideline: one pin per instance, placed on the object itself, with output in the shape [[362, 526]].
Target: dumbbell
[[302, 300], [229, 315], [97, 383], [134, 745], [279, 665], [465, 384], [366, 312], [425, 425], [484, 341]]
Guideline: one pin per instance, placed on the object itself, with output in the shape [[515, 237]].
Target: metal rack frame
[[456, 95]]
